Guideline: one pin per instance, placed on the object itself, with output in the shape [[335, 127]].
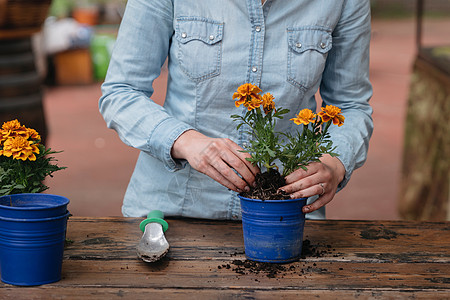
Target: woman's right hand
[[218, 158]]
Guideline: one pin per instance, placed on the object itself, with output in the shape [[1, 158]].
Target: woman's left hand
[[322, 178]]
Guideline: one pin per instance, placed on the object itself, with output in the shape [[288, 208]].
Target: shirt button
[[184, 35], [254, 69], [211, 37], [298, 45], [258, 28], [322, 45]]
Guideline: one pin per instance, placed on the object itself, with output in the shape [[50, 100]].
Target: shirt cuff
[[161, 141], [347, 158]]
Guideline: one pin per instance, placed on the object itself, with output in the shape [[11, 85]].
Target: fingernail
[[247, 189], [307, 208], [254, 184]]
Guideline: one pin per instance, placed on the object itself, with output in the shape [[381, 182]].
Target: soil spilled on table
[[380, 233], [272, 270]]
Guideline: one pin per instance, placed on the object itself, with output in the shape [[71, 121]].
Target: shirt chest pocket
[[307, 53], [199, 47]]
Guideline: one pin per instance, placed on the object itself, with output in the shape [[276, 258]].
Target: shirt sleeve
[[140, 50], [345, 83]]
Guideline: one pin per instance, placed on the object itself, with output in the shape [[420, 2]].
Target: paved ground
[[99, 165]]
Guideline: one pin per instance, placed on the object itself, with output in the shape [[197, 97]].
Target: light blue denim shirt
[[289, 48]]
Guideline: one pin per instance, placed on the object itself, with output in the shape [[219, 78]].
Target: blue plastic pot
[[32, 206], [31, 250], [32, 235], [273, 229]]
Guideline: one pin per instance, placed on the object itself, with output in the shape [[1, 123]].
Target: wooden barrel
[[425, 181], [20, 85]]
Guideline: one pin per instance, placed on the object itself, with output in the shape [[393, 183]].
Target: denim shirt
[[289, 48]]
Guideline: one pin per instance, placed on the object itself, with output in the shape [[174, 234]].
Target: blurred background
[[54, 56]]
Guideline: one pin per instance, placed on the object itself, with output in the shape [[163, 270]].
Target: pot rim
[[272, 201], [66, 215], [65, 201]]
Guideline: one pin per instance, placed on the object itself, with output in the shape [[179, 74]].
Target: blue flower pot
[[32, 206], [31, 247], [273, 229]]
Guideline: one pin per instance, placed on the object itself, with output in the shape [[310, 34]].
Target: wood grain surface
[[347, 259]]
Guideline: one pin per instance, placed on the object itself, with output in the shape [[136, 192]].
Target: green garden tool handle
[[155, 216]]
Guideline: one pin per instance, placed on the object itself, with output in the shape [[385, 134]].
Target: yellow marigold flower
[[305, 116], [267, 102], [33, 134], [20, 148], [11, 125], [12, 129], [331, 112], [248, 95]]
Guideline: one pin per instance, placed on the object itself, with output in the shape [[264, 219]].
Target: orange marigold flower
[[305, 116], [248, 95], [12, 129], [331, 112], [20, 148], [253, 102], [267, 103]]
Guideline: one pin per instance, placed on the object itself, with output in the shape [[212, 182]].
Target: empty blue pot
[[32, 235], [32, 206], [31, 250], [273, 229]]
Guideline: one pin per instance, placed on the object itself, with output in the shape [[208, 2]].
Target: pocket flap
[[207, 31], [309, 38]]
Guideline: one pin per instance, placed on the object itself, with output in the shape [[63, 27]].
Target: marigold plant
[[24, 160], [293, 150]]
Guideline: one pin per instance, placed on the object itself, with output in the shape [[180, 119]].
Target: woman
[[190, 162]]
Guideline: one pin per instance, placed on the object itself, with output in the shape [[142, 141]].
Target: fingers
[[219, 172], [302, 183], [224, 156], [320, 179], [218, 158], [321, 201], [237, 150]]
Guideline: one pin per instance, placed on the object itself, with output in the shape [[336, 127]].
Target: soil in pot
[[267, 187]]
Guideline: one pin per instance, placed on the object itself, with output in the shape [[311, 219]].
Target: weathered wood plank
[[352, 259], [147, 293], [213, 274], [196, 239]]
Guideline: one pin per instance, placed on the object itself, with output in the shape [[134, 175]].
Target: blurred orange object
[[73, 67], [86, 15]]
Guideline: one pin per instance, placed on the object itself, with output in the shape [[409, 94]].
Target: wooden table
[[347, 259]]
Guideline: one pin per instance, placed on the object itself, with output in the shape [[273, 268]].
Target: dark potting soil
[[267, 186], [378, 233], [272, 270]]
